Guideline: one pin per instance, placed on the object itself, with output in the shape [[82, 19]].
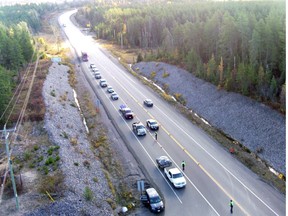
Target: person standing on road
[[155, 135], [183, 164], [231, 204]]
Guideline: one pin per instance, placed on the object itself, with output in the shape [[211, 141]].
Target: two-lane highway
[[213, 175]]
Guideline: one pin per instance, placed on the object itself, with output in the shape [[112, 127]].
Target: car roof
[[151, 120], [174, 170], [152, 192], [163, 158], [137, 123]]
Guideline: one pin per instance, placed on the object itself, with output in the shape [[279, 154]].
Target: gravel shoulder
[[258, 127]]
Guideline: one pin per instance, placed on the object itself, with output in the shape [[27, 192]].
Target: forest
[[17, 25], [237, 46]]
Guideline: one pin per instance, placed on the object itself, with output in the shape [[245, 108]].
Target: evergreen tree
[[273, 89], [221, 73]]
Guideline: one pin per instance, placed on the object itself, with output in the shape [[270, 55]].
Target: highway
[[213, 175]]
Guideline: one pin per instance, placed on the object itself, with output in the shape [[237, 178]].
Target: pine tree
[[220, 70]]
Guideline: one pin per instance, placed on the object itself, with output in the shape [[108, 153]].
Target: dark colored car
[[152, 200], [163, 162], [152, 124], [148, 102], [126, 112]]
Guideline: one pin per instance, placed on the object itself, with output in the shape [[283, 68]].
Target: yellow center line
[[205, 171], [189, 155]]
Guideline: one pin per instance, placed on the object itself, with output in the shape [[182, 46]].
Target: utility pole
[[10, 167]]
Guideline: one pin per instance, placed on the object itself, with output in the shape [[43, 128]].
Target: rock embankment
[[253, 124], [65, 126]]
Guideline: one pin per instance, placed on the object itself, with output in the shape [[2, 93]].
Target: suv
[[152, 200], [139, 129], [127, 113], [152, 124]]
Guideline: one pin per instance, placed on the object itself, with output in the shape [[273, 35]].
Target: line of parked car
[[150, 198], [103, 83]]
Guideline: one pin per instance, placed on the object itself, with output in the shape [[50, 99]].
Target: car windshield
[[153, 123], [178, 175], [155, 199]]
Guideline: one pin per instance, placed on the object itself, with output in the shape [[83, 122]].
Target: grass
[[53, 183]]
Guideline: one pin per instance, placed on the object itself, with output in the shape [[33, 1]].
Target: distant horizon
[[13, 2]]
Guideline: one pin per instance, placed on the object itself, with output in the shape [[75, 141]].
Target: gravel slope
[[251, 123], [62, 118]]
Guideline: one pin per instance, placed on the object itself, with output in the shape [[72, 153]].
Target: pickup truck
[[176, 177], [139, 129]]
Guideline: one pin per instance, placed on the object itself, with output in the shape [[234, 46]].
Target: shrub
[[179, 97], [166, 87], [50, 150], [64, 134], [52, 183], [73, 141], [86, 164], [88, 194], [111, 203], [27, 156], [139, 58], [165, 74], [31, 165], [45, 170], [35, 147], [152, 75], [52, 93], [50, 160], [40, 158]]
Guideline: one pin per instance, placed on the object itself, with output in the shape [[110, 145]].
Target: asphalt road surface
[[213, 175]]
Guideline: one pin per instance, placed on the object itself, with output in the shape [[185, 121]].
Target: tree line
[[238, 46], [17, 25]]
